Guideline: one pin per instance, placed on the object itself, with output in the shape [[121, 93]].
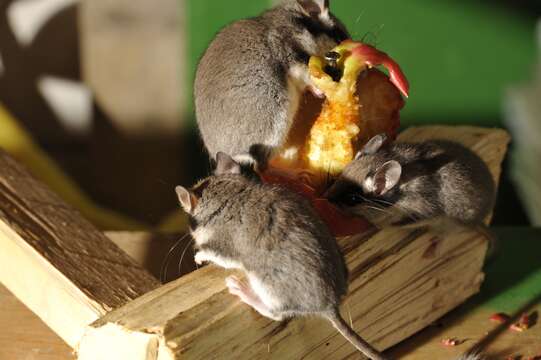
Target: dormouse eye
[[352, 199]]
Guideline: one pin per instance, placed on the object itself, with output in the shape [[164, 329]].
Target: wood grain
[[473, 327], [195, 317], [401, 280], [55, 261], [29, 338]]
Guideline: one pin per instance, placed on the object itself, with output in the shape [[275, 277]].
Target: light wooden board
[[29, 338], [55, 261], [474, 327]]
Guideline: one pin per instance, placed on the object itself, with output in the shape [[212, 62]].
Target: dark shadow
[[137, 176], [169, 257]]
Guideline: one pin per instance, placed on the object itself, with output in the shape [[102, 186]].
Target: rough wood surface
[[401, 281], [513, 286], [30, 339], [195, 317], [473, 327], [55, 261]]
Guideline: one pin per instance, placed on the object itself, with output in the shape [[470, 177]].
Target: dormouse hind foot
[[248, 296]]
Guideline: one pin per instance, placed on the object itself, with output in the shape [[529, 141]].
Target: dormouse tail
[[343, 328]]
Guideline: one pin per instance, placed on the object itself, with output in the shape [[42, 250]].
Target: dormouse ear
[[314, 8], [387, 177], [187, 200], [373, 145], [226, 165]]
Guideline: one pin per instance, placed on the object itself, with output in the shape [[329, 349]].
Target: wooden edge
[[29, 338], [55, 261], [195, 317], [126, 344]]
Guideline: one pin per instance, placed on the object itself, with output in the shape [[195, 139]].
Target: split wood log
[[401, 280], [55, 261], [29, 338]]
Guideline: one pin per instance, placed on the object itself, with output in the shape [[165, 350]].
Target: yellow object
[[18, 143], [330, 145]]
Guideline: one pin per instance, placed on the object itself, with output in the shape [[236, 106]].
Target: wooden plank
[[474, 327], [56, 262], [195, 317], [17, 142], [28, 337], [389, 299], [513, 286]]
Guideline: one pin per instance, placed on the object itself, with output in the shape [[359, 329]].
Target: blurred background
[[96, 95]]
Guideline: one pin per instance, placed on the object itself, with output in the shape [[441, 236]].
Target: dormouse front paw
[[316, 91], [201, 257], [300, 75]]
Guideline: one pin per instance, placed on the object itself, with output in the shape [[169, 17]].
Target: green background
[[458, 55]]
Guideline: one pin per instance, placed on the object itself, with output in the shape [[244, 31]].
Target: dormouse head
[[189, 199], [372, 175], [319, 21]]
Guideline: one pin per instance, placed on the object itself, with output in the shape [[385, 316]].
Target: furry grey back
[[449, 177], [277, 236], [241, 91], [438, 178]]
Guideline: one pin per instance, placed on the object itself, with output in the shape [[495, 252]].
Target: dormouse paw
[[316, 91], [200, 258]]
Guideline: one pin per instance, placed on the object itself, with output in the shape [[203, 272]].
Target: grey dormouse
[[292, 263], [415, 181], [250, 80]]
